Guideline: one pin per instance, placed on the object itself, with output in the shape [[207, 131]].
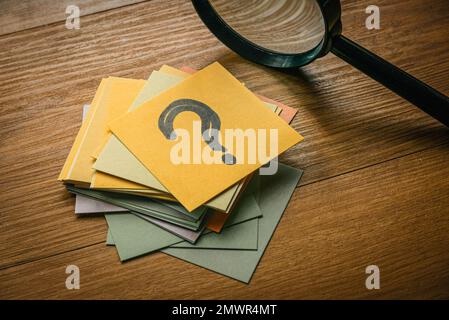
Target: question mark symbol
[[210, 124]]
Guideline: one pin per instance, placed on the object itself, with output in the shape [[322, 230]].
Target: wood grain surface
[[20, 15], [375, 190]]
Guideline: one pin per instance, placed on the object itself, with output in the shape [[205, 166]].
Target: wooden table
[[375, 189]]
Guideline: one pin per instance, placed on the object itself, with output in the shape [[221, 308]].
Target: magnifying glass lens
[[282, 26]]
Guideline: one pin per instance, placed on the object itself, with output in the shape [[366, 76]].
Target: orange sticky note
[[219, 98], [288, 113]]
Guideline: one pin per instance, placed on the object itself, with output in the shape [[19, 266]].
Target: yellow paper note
[[116, 166], [64, 175], [146, 93], [224, 96], [115, 97]]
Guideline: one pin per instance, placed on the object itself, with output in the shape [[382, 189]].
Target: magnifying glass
[[293, 33]]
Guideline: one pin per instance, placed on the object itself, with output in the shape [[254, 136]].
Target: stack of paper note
[[162, 159]]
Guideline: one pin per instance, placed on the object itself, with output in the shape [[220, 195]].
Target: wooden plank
[[21, 15], [394, 215], [48, 73]]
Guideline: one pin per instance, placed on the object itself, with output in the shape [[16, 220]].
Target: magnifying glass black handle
[[405, 85]]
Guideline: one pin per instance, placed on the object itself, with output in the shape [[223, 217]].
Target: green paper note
[[275, 194], [144, 206], [134, 237], [109, 239], [242, 236]]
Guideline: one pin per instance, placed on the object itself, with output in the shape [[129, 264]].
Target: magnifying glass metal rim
[[253, 52]]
